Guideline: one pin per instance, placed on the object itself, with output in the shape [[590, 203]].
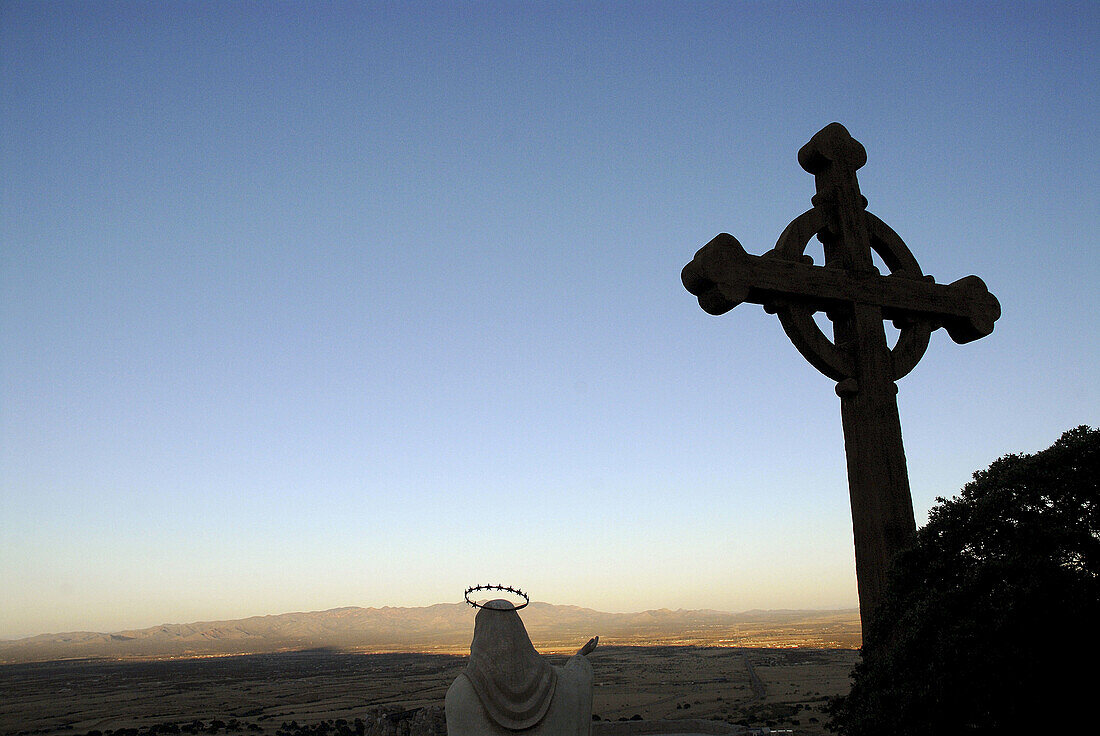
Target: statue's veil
[[514, 683]]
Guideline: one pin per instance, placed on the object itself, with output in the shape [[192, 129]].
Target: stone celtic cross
[[856, 297]]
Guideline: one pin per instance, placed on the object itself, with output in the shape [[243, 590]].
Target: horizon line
[[9, 638]]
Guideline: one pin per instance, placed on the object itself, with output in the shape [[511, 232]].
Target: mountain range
[[444, 627]]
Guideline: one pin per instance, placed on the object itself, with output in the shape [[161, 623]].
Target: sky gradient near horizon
[[307, 305]]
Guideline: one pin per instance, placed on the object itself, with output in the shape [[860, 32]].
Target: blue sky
[[312, 305]]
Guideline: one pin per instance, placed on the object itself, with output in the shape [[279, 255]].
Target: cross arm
[[722, 275]]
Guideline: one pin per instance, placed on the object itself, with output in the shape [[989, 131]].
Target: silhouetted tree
[[990, 617]]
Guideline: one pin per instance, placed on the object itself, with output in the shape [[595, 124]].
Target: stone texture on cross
[[856, 297]]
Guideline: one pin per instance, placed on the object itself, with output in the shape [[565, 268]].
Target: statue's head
[[499, 633]]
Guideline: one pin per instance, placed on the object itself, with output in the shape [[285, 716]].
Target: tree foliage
[[990, 620]]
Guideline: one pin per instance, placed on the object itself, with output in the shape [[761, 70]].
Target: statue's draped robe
[[508, 687]]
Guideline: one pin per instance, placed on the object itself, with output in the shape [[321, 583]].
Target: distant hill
[[444, 627]]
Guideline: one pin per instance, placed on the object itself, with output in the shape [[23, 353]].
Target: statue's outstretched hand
[[587, 648]]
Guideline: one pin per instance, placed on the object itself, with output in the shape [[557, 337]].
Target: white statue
[[507, 686]]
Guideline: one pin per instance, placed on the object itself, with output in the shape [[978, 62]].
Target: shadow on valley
[[322, 692]]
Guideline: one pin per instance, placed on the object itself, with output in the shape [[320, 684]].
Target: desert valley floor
[[784, 688]]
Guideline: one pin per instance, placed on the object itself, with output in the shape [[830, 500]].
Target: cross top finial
[[831, 145]]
